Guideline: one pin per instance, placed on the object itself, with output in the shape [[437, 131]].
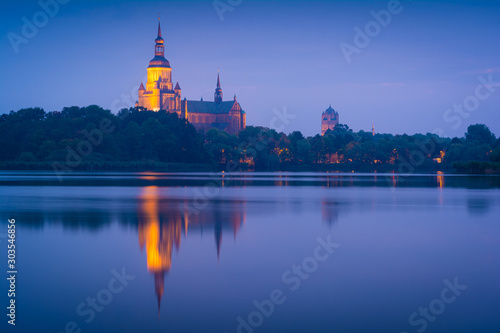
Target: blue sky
[[273, 55]]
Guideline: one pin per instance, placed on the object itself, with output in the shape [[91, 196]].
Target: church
[[329, 119], [160, 94]]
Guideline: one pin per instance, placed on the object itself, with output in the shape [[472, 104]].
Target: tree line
[[92, 138]]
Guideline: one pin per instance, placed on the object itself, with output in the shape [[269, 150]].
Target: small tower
[[141, 90], [373, 128], [177, 92], [218, 91]]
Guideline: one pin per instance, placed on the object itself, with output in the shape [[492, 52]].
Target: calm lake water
[[259, 252]]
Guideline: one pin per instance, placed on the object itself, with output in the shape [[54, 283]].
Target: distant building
[[159, 94], [329, 119]]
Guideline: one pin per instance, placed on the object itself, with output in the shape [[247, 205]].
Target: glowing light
[[440, 179]]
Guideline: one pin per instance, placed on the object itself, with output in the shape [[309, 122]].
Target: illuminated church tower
[[159, 93]]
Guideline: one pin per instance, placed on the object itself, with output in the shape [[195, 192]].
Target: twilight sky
[[406, 75]]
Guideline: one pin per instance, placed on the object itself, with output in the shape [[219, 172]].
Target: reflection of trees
[[90, 219], [478, 205], [161, 225]]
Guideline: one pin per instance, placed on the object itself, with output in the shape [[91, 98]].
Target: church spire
[[218, 91], [159, 48], [159, 27]]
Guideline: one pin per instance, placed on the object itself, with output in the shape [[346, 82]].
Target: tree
[[495, 155], [33, 136], [479, 134], [342, 128]]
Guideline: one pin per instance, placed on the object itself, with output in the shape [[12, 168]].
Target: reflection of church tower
[[222, 217], [159, 237], [233, 219], [218, 237], [329, 212], [160, 229]]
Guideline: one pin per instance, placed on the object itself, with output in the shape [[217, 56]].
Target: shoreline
[[479, 168]]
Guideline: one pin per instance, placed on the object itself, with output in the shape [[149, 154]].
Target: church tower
[[159, 93], [218, 91], [329, 119]]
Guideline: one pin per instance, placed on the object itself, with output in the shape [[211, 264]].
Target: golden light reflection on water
[[440, 179], [161, 225], [150, 175], [158, 238], [394, 180]]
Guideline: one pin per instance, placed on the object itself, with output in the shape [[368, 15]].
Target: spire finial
[[159, 28]]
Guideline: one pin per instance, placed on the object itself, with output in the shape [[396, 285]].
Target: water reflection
[[440, 179], [329, 212], [478, 205], [280, 179], [158, 238], [391, 238], [440, 182], [161, 224]]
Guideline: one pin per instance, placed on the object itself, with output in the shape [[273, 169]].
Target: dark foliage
[[94, 134], [94, 138]]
